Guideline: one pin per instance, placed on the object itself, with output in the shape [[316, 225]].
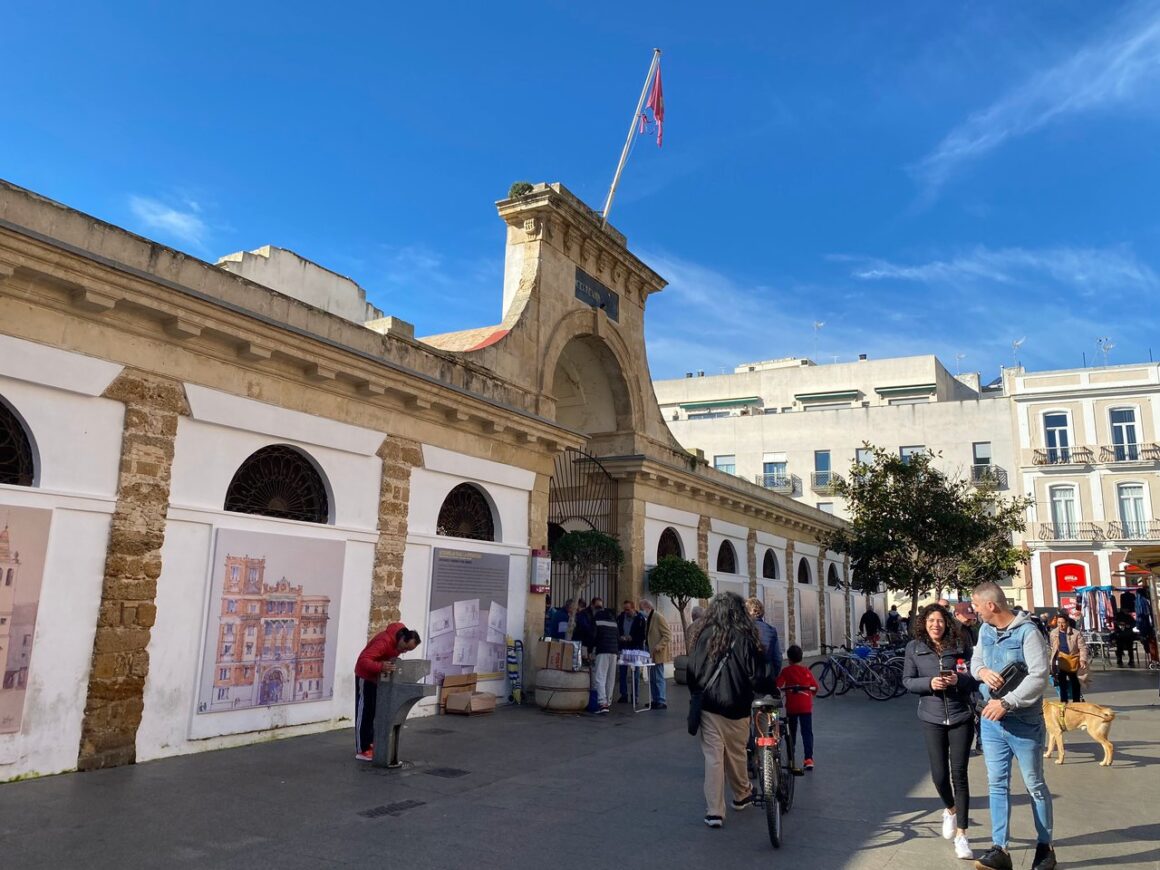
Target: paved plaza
[[522, 788]]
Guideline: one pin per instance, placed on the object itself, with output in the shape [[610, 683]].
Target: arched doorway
[[271, 688], [809, 635]]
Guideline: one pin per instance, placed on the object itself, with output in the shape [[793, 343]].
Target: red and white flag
[[656, 103]]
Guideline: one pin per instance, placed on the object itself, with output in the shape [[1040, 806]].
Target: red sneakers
[[367, 755], [809, 764]]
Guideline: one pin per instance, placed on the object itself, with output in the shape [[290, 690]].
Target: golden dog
[[1093, 718]]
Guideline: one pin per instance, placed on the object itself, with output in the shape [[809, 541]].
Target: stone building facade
[[144, 388]]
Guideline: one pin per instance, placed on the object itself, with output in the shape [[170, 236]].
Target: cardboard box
[[560, 656], [455, 684], [542, 654], [470, 703]]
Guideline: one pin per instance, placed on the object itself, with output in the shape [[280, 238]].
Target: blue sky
[[921, 177]]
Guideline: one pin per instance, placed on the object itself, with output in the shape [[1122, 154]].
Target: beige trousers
[[723, 742]]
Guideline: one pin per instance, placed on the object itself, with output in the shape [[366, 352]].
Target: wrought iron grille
[[582, 495], [726, 559], [16, 467], [466, 514], [279, 482], [669, 545], [769, 566]]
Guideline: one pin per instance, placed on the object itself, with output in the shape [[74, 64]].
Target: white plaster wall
[[506, 488], [207, 455], [771, 592], [77, 439]]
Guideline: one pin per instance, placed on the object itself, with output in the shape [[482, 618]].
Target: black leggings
[[953, 741], [1068, 685]]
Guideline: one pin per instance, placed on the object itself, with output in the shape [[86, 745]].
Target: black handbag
[[1014, 674], [695, 697]]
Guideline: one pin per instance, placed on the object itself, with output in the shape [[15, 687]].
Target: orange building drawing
[[271, 642]]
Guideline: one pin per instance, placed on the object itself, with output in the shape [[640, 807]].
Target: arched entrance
[[581, 496], [590, 389], [271, 688]]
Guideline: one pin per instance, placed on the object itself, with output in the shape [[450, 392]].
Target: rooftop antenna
[[959, 357], [1015, 345], [818, 324], [1105, 345]]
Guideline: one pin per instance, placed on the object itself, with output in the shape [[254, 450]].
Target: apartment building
[[1081, 443], [1088, 455]]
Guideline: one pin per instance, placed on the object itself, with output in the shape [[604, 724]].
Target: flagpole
[[656, 59]]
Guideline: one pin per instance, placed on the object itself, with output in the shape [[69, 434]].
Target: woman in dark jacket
[[937, 669], [727, 636]]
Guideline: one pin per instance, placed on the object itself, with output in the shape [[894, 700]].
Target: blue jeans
[[1025, 741], [656, 684]]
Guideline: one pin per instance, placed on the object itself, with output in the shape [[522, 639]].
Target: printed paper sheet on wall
[[23, 545], [270, 631], [467, 628]]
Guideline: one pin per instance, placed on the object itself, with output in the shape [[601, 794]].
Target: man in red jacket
[[377, 658]]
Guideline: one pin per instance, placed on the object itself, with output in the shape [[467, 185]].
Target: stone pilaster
[[849, 599], [115, 696], [790, 595], [751, 556], [630, 534], [703, 543], [400, 456], [823, 596]]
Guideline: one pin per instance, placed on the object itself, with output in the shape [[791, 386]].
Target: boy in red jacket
[[798, 687], [377, 658]]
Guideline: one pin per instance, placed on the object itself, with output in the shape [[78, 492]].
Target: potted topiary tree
[[581, 553], [681, 581]]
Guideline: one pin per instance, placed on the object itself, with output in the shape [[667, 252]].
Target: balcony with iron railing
[[824, 482], [1116, 453], [787, 484], [988, 477], [1077, 532], [1134, 530], [1063, 456]]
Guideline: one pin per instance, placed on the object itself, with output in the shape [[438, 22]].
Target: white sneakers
[[948, 825], [963, 848]]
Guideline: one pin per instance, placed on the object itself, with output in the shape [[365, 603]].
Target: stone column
[[790, 594], [849, 599], [115, 695], [534, 610], [400, 456], [630, 533], [751, 554]]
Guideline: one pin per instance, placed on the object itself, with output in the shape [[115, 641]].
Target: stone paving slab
[[543, 790]]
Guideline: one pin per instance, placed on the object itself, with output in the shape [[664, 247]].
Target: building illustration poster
[[273, 608], [467, 628], [23, 545]]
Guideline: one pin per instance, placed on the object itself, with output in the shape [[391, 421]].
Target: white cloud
[[1083, 270], [1122, 67], [183, 226]]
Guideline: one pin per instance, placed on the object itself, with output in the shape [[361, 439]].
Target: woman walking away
[[937, 669], [1069, 657], [724, 668]]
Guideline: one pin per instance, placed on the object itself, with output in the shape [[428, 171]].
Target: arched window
[[279, 481], [466, 514], [769, 566], [726, 559], [669, 545], [16, 464], [832, 578], [803, 575]]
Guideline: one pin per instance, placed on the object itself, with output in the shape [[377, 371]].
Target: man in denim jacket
[[1012, 726]]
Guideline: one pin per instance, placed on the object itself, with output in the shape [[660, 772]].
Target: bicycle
[[841, 671], [773, 753]]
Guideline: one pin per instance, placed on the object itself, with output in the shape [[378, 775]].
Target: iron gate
[[581, 496]]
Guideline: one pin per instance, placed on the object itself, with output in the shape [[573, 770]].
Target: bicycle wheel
[[900, 687], [847, 678], [824, 673], [785, 751], [769, 793], [877, 684]]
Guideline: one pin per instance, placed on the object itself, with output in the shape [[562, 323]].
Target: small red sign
[[537, 589]]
